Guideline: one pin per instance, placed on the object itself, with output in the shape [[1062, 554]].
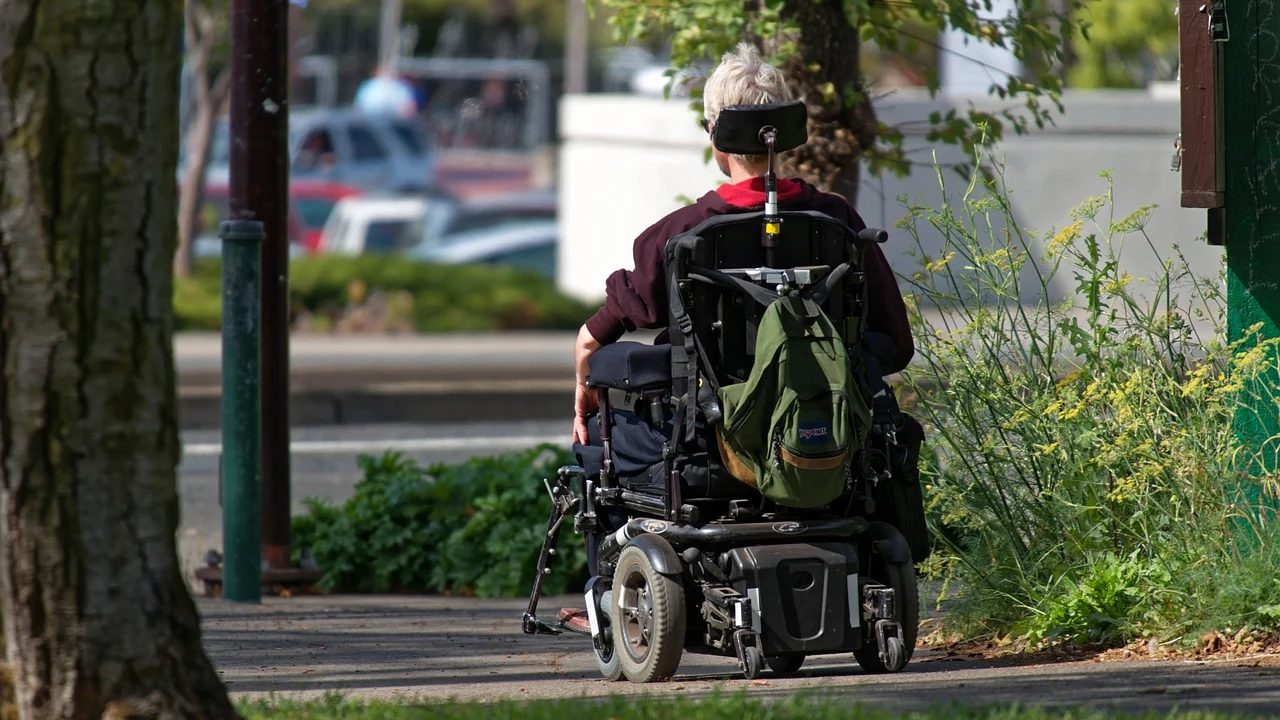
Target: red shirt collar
[[750, 193]]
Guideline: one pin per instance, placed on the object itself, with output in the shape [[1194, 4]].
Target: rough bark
[[842, 125], [210, 98], [98, 620]]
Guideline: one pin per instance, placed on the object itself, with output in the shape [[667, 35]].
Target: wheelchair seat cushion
[[630, 366], [638, 464]]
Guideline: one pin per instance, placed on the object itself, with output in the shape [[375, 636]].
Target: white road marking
[[329, 447]]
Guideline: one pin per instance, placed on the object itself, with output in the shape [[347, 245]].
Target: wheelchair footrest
[[574, 630], [533, 626]]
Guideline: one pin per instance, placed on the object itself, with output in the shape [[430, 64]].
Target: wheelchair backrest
[[724, 320]]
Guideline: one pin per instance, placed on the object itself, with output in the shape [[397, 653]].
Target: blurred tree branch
[[206, 30]]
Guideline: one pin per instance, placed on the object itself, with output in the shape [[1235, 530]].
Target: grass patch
[[733, 707]]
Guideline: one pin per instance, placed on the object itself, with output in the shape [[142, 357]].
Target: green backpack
[[793, 426]]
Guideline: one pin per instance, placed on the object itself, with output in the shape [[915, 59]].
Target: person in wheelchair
[[750, 467], [637, 298]]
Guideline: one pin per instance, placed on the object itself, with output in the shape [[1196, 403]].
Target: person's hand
[[585, 401]]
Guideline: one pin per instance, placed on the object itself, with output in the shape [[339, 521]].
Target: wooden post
[[1200, 76]]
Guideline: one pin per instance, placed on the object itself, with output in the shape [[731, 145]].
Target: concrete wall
[[625, 161]]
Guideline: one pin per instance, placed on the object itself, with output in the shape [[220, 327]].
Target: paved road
[[324, 464], [439, 648]]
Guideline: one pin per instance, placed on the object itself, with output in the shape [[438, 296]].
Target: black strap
[[687, 353], [684, 353], [757, 293], [818, 292]]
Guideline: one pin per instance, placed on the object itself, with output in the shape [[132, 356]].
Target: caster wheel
[[897, 653], [754, 663], [902, 578], [784, 664], [648, 619], [607, 655], [607, 658]]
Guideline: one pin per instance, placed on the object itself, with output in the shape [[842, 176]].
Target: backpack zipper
[[744, 414]]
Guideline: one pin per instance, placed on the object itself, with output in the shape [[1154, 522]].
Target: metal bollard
[[241, 451]]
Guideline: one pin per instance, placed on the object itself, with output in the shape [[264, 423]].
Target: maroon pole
[[260, 191]]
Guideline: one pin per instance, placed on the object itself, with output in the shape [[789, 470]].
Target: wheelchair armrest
[[630, 366]]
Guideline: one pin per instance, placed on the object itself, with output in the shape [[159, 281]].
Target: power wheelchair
[[684, 557]]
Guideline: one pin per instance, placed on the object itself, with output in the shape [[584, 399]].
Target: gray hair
[[743, 78]]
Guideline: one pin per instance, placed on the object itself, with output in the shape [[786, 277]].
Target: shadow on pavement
[[435, 648]]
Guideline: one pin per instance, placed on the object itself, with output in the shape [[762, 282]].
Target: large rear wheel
[[648, 618]]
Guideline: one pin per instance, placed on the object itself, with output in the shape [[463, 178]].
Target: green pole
[[1251, 82], [241, 483]]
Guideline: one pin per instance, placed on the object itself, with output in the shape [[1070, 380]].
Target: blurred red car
[[310, 202]]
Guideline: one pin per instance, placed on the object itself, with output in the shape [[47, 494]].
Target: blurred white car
[[361, 225], [530, 245], [447, 218]]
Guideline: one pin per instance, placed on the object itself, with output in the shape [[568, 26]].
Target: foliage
[[717, 706], [471, 528], [548, 16], [1130, 43], [1083, 460], [700, 31], [443, 297]]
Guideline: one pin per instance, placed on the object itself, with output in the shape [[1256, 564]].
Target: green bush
[[197, 303], [471, 528], [445, 297], [1082, 462]]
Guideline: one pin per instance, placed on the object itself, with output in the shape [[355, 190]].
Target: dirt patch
[[1243, 647]]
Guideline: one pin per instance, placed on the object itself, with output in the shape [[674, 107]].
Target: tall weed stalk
[[1082, 471]]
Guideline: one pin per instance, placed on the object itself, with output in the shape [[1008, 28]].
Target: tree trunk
[[98, 620], [842, 122]]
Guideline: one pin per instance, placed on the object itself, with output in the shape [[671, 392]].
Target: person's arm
[[888, 312], [585, 401]]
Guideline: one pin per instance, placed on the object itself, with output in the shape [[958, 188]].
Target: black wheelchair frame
[[713, 566]]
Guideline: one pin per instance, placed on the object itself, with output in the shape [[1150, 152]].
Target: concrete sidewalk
[[437, 648]]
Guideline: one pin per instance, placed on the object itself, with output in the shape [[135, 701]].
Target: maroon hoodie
[[638, 298]]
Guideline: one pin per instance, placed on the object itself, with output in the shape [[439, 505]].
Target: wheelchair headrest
[[738, 127]]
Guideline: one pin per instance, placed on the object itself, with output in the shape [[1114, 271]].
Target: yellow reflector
[[773, 228]]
